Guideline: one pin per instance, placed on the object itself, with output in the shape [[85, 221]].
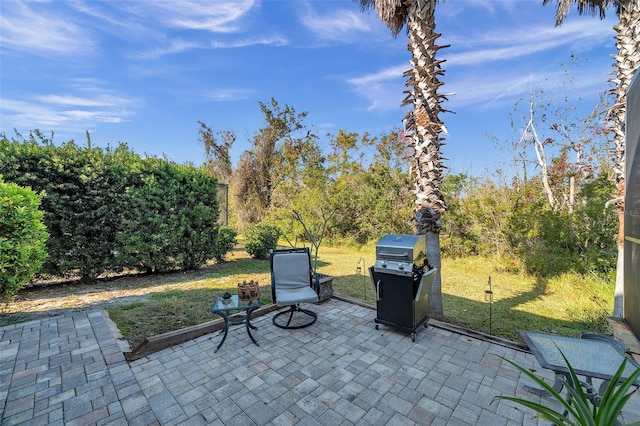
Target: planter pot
[[325, 291]]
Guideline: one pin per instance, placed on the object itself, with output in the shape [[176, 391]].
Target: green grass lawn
[[566, 305]]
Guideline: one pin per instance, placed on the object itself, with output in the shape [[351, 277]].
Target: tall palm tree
[[422, 123], [627, 62]]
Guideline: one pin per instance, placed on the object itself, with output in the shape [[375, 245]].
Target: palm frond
[[591, 7], [393, 13]]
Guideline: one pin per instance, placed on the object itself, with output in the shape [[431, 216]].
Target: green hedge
[[110, 210], [22, 238]]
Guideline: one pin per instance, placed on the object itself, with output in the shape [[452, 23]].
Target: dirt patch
[[50, 299]]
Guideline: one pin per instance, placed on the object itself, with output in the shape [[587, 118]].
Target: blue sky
[[144, 72]]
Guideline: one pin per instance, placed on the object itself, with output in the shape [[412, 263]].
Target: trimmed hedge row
[[110, 210]]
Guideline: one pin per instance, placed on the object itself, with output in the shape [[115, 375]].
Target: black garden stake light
[[488, 297], [360, 270]]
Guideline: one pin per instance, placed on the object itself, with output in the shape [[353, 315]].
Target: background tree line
[[365, 181], [110, 210]]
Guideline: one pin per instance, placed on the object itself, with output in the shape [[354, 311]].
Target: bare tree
[[274, 155], [217, 153]]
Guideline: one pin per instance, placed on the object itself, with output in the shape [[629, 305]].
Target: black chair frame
[[314, 283]]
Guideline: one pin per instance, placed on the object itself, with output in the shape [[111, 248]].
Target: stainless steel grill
[[402, 279], [400, 254]]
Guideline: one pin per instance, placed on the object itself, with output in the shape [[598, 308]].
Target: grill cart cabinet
[[402, 280]]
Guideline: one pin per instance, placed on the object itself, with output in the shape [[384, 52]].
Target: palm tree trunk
[[422, 123], [427, 223], [424, 126], [627, 63]]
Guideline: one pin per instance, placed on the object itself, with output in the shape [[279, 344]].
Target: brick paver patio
[[70, 370]]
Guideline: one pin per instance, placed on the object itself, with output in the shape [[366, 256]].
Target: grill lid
[[399, 254]]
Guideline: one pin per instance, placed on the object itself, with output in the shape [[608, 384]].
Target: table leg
[[226, 329], [249, 326], [587, 388], [560, 379], [557, 386], [249, 312]]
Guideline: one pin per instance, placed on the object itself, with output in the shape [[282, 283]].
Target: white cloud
[[102, 100], [479, 70], [486, 89], [41, 32], [275, 40], [383, 89], [171, 48], [492, 7], [338, 25], [503, 44], [180, 46], [225, 95], [159, 17], [482, 87], [113, 20], [69, 111], [213, 16], [386, 74], [33, 114]]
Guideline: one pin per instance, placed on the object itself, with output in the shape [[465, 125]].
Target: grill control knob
[[401, 266]]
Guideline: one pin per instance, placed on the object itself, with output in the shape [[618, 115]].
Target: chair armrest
[[610, 340]]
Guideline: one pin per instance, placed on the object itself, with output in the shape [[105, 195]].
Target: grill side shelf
[[425, 283]]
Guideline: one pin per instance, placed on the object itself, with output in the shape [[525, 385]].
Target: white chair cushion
[[294, 296]]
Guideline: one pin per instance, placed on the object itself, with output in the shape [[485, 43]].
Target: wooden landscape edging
[[162, 341]]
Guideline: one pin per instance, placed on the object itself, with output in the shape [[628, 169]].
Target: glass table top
[[234, 303], [589, 357]]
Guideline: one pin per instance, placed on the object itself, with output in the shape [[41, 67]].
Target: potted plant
[[578, 408], [315, 234]]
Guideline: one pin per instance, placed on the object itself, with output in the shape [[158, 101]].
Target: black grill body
[[402, 280]]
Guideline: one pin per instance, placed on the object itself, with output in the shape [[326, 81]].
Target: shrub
[[22, 238], [261, 238], [225, 241]]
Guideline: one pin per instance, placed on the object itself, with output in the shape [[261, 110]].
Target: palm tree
[[422, 123], [627, 62]]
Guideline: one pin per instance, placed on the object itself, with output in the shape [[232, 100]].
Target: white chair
[[293, 282]]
